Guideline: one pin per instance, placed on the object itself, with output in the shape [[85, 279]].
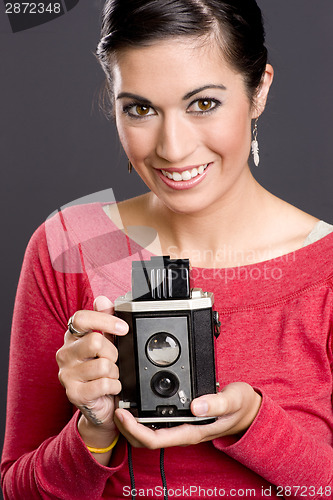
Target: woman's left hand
[[235, 407]]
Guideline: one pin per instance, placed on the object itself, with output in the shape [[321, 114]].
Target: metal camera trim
[[198, 300]]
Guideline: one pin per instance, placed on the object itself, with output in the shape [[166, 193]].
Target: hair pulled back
[[236, 24]]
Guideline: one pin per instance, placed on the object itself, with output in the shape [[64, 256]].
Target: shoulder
[[315, 259], [283, 227], [320, 230], [75, 216], [58, 239]]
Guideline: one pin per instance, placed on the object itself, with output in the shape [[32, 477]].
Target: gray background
[[56, 146]]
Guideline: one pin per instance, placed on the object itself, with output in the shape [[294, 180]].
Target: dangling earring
[[255, 145], [130, 167]]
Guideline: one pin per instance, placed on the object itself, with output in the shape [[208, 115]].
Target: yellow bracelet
[[104, 450]]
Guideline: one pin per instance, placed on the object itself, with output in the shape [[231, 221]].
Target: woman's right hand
[[88, 370]]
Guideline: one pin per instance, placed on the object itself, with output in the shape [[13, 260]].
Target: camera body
[[167, 358]]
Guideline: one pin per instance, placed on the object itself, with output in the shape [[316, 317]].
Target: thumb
[[227, 401], [210, 405], [232, 398], [103, 304]]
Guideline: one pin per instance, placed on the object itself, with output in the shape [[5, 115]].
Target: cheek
[[232, 136], [137, 143]]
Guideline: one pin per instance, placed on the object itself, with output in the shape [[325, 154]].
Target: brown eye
[[205, 104], [142, 110], [136, 110]]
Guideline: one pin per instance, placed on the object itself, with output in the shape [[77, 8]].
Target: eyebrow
[[136, 97], [200, 89], [187, 96]]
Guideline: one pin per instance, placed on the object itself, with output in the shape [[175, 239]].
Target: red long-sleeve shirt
[[276, 335]]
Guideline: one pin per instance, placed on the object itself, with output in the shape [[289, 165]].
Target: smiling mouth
[[186, 175]]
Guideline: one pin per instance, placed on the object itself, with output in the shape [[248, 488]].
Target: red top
[[276, 335]]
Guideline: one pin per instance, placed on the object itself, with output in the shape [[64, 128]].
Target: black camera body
[[167, 358]]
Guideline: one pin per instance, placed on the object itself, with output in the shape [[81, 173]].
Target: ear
[[261, 97]]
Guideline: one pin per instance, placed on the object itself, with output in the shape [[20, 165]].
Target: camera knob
[[182, 397]]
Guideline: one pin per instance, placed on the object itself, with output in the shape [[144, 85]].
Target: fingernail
[[120, 327], [103, 304], [200, 408]]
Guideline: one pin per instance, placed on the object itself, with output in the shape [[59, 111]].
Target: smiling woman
[[188, 81], [186, 134]]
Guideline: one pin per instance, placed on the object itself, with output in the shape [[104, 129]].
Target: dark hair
[[237, 24]]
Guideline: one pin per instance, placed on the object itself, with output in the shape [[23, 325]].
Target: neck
[[211, 237]]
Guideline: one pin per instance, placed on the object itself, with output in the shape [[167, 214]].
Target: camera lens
[[164, 384], [163, 349]]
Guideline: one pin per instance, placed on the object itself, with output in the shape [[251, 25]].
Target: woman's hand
[[88, 371], [236, 406]]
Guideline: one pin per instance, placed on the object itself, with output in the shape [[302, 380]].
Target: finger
[[86, 321], [95, 369], [94, 345], [183, 435], [69, 338], [226, 402], [103, 304], [101, 387], [78, 350], [83, 394], [141, 436]]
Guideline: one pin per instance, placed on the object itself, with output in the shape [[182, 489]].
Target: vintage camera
[[167, 358]]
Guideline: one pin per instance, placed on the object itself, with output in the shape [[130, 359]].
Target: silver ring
[[73, 330]]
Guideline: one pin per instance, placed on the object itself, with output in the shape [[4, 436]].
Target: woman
[[188, 80]]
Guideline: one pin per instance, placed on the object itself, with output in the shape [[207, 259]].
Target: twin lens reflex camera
[[167, 358]]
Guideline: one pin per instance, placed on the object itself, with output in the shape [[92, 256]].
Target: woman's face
[[184, 120]]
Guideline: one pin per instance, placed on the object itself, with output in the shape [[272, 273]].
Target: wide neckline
[[256, 284], [288, 257]]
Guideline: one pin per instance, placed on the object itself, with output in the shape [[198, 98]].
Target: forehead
[[173, 66]]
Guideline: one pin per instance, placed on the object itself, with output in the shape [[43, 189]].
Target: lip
[[183, 169], [181, 185]]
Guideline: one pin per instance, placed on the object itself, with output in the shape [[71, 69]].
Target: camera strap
[[131, 472], [164, 483]]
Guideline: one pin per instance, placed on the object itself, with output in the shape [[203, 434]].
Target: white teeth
[[176, 176], [167, 174], [186, 175]]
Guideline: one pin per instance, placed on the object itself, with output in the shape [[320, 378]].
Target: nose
[[176, 139]]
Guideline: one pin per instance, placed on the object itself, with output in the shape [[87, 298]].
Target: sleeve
[[282, 452], [43, 455]]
